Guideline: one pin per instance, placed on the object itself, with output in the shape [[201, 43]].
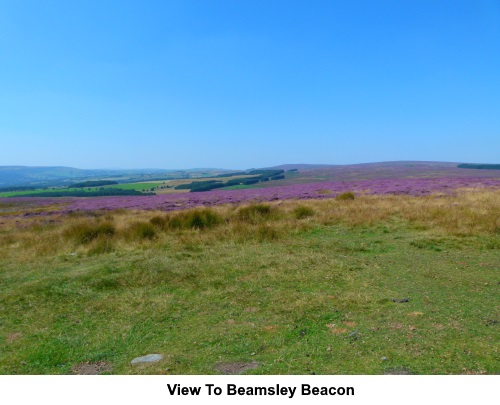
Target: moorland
[[368, 269]]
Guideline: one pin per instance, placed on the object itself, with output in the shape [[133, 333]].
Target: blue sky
[[239, 84]]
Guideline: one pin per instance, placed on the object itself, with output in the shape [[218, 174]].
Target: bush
[[348, 195], [303, 212]]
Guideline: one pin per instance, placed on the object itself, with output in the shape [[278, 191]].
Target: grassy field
[[374, 285], [143, 186]]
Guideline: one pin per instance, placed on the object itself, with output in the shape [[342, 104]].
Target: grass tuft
[[302, 212], [204, 218], [159, 222], [141, 231], [255, 213], [85, 232], [348, 195], [102, 245]]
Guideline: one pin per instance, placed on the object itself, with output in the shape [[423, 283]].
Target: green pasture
[[319, 300], [125, 186]]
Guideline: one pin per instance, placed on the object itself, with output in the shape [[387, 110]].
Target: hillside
[[39, 176]]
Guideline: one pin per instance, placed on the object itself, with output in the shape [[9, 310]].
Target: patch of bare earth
[[88, 368], [11, 337], [236, 368]]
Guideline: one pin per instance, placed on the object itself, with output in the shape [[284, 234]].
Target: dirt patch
[[397, 371], [335, 329], [12, 337], [91, 368], [236, 368], [416, 313], [396, 325]]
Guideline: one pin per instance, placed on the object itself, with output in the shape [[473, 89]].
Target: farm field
[[333, 283], [142, 186]]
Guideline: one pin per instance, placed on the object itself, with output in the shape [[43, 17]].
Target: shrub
[[348, 195], [303, 212]]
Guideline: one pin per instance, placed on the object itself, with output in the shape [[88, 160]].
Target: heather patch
[[173, 202]]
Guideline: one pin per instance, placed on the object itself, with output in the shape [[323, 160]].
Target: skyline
[[292, 164], [188, 84]]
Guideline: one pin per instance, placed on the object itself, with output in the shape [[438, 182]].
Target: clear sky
[[239, 84]]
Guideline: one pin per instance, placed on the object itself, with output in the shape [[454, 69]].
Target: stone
[[149, 358]]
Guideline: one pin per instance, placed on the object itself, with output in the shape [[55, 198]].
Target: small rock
[[354, 335], [149, 358], [402, 300], [384, 358]]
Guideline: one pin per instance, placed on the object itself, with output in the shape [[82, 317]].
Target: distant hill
[[60, 175], [299, 166], [304, 166], [42, 176], [378, 170], [24, 175]]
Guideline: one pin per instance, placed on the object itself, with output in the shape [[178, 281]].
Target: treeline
[[257, 177], [485, 166], [201, 185], [93, 183], [104, 192]]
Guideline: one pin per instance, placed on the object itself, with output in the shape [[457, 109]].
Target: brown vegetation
[[468, 213]]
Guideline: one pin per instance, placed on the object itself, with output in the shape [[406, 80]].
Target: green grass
[[135, 186], [124, 186], [315, 300]]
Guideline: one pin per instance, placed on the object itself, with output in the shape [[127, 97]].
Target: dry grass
[[468, 213]]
